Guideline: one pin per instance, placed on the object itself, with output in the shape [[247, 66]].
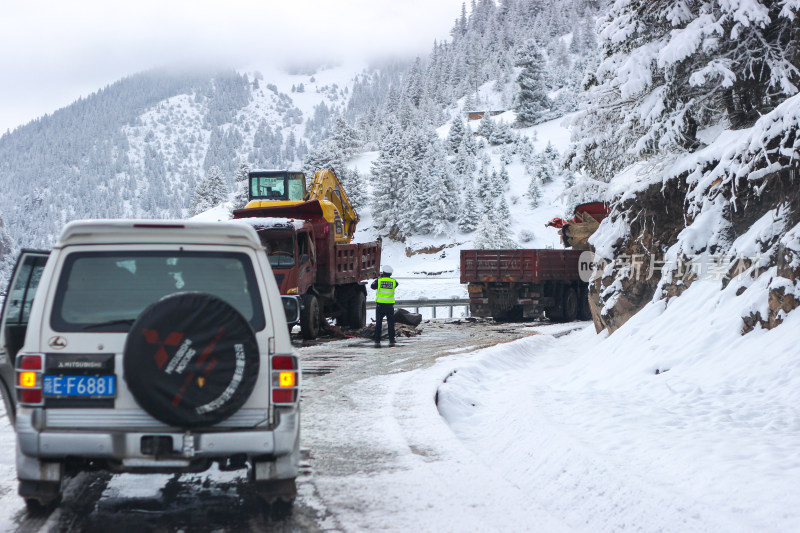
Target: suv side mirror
[[291, 306]]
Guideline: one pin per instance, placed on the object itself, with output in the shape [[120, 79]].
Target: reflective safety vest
[[385, 294]]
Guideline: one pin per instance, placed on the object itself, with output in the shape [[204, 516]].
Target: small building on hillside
[[477, 115]]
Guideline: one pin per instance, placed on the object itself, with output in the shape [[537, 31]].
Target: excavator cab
[[283, 193], [276, 185]]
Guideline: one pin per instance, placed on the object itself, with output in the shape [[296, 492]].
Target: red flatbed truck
[[516, 284], [528, 283]]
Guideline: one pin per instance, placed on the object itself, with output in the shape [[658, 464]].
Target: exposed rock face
[[655, 218], [784, 290], [650, 261]]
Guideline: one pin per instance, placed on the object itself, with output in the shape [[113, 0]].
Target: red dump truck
[[517, 284], [307, 236]]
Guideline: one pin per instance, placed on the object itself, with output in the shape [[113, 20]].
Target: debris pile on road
[[406, 325], [400, 330], [403, 316]]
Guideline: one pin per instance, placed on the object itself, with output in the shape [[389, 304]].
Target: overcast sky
[[53, 51]]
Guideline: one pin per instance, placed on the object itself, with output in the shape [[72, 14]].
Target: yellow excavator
[[285, 191], [308, 234]]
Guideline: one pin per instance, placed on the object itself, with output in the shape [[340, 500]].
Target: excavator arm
[[326, 187]]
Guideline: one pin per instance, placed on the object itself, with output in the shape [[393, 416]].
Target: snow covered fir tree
[[461, 147], [146, 158]]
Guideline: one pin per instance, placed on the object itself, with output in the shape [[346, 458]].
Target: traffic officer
[[384, 303]]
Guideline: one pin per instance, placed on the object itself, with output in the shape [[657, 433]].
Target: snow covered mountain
[[141, 146], [671, 131]]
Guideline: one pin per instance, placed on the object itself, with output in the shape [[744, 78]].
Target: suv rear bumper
[[123, 448]]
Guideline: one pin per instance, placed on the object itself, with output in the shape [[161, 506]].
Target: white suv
[[150, 346]]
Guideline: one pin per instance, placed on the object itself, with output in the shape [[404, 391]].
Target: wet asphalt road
[[223, 501]]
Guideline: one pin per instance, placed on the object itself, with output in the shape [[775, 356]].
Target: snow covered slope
[[428, 266], [644, 430]]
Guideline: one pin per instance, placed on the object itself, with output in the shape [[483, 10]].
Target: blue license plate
[[80, 386]]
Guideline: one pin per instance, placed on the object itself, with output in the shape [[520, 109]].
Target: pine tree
[[576, 45], [485, 235], [544, 170], [210, 192], [485, 126], [241, 183], [501, 134], [455, 136], [503, 211], [464, 164], [551, 152], [497, 184], [468, 216], [387, 181], [345, 138], [324, 155], [410, 202], [532, 101], [505, 179], [469, 141], [354, 184], [502, 232], [485, 186], [437, 203], [534, 192], [673, 68]]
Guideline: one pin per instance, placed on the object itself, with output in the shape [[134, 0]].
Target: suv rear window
[[106, 291]]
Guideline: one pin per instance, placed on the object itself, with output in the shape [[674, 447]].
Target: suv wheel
[[277, 492], [190, 360], [41, 497]]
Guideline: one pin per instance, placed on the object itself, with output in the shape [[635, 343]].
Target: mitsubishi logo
[[57, 343], [152, 337]]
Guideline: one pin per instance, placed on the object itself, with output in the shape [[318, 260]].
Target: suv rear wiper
[[126, 321]]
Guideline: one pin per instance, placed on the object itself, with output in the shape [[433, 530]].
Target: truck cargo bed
[[357, 262], [522, 266]]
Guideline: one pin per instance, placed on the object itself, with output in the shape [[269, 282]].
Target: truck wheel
[[191, 360], [570, 305], [357, 311], [585, 310], [310, 318]]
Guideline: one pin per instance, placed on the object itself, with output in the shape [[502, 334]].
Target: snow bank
[[675, 422]]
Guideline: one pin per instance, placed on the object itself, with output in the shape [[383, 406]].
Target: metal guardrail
[[417, 304]]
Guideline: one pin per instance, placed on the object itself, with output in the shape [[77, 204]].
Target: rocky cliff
[[728, 213]]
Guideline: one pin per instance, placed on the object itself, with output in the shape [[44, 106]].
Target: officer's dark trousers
[[384, 310]]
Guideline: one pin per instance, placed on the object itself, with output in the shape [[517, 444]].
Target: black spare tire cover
[[191, 360]]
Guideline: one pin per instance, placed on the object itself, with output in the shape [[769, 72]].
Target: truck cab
[[291, 253]]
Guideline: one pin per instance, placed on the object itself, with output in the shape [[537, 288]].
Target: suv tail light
[[30, 367], [285, 379]]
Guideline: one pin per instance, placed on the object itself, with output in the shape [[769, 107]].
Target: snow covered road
[[376, 455], [385, 460], [485, 427]]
